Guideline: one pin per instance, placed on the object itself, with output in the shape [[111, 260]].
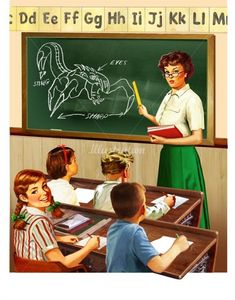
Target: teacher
[[180, 165]]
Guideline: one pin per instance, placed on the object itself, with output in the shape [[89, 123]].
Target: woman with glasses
[[180, 165]]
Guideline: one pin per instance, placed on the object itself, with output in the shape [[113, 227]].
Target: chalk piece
[[55, 129]]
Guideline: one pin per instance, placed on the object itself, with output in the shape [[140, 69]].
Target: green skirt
[[180, 167]]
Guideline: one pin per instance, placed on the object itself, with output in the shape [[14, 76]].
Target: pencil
[[177, 236], [136, 94]]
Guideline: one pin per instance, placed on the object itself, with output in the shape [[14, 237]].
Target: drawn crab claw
[[129, 103], [41, 74], [55, 98], [57, 104], [97, 101], [41, 61], [49, 99]]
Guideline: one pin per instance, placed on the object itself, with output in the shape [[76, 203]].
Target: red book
[[167, 131]]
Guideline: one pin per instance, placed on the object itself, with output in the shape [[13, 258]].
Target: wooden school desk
[[200, 257], [187, 214]]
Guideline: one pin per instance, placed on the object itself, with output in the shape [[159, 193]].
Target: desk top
[[204, 241], [153, 192]]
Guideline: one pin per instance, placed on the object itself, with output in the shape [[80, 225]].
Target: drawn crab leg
[[124, 84]]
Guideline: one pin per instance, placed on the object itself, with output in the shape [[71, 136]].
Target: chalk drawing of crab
[[68, 83]]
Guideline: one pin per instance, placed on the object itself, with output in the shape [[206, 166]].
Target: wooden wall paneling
[[47, 145], [214, 163], [32, 156], [16, 163]]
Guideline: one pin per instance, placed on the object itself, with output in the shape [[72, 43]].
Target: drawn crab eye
[[83, 74], [93, 77]]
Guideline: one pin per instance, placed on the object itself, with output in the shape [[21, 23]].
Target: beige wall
[[31, 152]]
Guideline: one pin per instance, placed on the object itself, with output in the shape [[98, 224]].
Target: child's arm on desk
[[67, 238], [160, 262], [170, 200], [73, 259], [160, 208]]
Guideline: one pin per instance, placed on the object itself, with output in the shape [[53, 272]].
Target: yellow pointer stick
[[137, 94]]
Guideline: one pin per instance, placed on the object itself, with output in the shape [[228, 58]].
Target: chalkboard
[[80, 85]]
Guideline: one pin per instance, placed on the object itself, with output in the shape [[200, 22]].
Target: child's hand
[[170, 201], [93, 243], [68, 239], [182, 243]]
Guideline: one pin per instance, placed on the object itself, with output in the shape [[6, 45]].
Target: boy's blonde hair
[[114, 162]]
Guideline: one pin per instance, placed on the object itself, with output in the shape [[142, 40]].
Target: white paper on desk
[[103, 242], [163, 244], [178, 200], [84, 195]]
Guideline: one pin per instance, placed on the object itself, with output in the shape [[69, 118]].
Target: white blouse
[[183, 109], [102, 199], [63, 191]]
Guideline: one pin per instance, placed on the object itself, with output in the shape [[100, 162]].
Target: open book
[[73, 223], [167, 131]]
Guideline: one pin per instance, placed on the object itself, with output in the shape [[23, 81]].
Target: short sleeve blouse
[[63, 191], [183, 109], [38, 236]]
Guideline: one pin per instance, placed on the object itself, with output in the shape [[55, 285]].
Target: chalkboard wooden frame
[[119, 136]]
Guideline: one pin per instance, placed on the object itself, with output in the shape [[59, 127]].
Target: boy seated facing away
[[128, 248], [116, 169]]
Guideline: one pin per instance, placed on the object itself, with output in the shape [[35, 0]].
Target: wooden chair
[[28, 265]]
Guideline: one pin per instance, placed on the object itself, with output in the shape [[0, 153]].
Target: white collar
[[58, 180], [112, 181], [35, 211], [180, 92]]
